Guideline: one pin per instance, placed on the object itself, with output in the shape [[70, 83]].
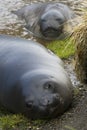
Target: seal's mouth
[[48, 109], [52, 32], [46, 112], [51, 108], [42, 112]]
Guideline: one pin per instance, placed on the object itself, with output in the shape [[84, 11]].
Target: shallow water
[[10, 24]]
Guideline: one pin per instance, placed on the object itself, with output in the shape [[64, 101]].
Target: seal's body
[[32, 79], [46, 20]]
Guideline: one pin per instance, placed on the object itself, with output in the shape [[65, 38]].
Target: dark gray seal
[[32, 79], [46, 20]]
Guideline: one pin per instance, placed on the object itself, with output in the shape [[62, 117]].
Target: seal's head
[[52, 24], [43, 95]]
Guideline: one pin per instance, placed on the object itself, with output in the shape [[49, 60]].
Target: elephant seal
[[46, 20], [32, 79]]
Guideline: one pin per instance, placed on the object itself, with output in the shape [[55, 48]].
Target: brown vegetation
[[80, 39]]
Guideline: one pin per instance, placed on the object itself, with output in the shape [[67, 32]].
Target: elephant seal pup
[[46, 20], [32, 80]]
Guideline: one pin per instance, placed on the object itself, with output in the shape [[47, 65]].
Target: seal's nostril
[[29, 104], [48, 102], [45, 101], [56, 96]]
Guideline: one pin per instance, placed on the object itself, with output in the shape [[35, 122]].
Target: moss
[[69, 127], [76, 91], [9, 121], [12, 121], [63, 48]]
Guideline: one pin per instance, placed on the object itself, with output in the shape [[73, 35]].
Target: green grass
[[10, 121], [69, 127], [63, 49]]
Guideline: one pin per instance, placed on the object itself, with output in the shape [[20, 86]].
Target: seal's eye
[[43, 20], [48, 85], [59, 20]]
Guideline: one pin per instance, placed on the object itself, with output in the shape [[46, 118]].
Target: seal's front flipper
[[18, 13], [27, 27]]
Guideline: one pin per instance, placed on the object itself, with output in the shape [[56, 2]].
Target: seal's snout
[[50, 100], [45, 102], [51, 30]]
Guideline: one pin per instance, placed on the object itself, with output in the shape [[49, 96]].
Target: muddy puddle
[[10, 24]]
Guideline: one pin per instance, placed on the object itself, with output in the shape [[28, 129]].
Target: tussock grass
[[80, 39]]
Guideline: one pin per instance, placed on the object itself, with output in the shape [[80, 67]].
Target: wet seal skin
[[46, 20], [32, 79]]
